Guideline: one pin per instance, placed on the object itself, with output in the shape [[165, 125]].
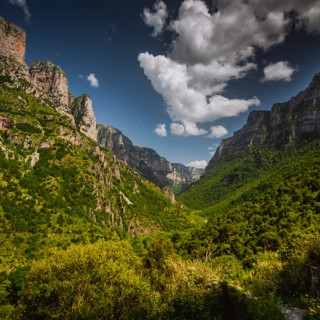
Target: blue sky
[[176, 76]]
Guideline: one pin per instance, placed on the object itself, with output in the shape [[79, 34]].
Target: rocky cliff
[[13, 41], [43, 79], [293, 121], [147, 161], [82, 111]]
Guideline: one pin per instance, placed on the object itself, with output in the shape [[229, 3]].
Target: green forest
[[83, 236]]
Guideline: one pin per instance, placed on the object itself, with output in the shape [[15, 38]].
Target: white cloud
[[157, 18], [185, 102], [200, 164], [161, 130], [93, 80], [279, 71], [217, 132], [186, 129], [23, 5], [307, 12], [212, 46]]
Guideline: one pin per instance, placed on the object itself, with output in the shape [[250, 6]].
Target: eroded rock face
[[6, 123], [295, 120], [147, 161], [81, 109], [52, 80], [13, 41]]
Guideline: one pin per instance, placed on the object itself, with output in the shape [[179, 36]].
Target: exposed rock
[[189, 173], [293, 313], [147, 161], [6, 123], [81, 109], [295, 120], [169, 194], [135, 189], [13, 41], [52, 80], [122, 195]]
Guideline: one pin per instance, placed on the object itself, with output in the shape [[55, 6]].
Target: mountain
[[147, 161], [44, 80], [52, 168], [286, 123], [267, 142]]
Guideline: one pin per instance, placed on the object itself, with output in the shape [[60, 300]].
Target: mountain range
[[147, 161]]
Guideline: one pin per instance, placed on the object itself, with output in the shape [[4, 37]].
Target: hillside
[[56, 181], [85, 236], [269, 140], [147, 161]]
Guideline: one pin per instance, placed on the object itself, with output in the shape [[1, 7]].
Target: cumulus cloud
[[200, 164], [23, 5], [307, 12], [212, 46], [93, 80], [279, 71], [217, 132], [186, 103], [161, 130], [186, 129], [156, 18]]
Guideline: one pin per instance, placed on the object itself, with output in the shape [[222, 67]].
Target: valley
[[91, 227]]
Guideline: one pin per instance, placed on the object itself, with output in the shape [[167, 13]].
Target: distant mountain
[[147, 161], [266, 143], [286, 123]]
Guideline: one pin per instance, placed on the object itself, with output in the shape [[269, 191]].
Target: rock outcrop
[[6, 123], [43, 79], [147, 161], [12, 51], [52, 80], [295, 120], [82, 111], [13, 41]]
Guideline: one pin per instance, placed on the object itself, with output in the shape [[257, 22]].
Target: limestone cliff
[[12, 51], [288, 122], [43, 79], [13, 41], [147, 161], [82, 111], [51, 79]]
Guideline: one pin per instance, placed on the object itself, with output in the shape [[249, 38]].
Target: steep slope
[[57, 184], [292, 121], [259, 147], [147, 161], [43, 80]]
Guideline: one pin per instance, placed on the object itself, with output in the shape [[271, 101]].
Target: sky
[[176, 76]]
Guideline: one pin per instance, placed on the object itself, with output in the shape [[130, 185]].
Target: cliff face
[[85, 120], [12, 51], [295, 120], [43, 79], [13, 41], [52, 80], [147, 161]]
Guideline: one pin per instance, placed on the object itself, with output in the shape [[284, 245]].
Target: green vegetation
[[83, 236]]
